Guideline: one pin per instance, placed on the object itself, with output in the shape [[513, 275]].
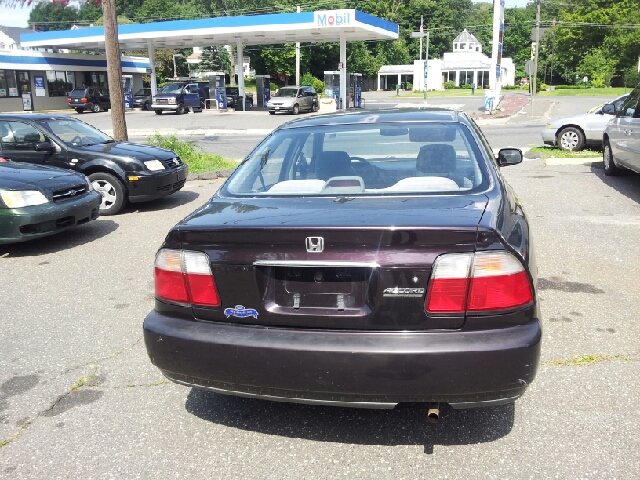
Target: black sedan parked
[[360, 259], [120, 171], [36, 201]]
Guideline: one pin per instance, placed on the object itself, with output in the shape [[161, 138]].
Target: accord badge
[[403, 292]]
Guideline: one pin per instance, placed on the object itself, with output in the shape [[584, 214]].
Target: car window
[[378, 159], [629, 107], [75, 133], [19, 136], [286, 92]]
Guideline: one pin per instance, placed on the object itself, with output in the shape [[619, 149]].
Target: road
[[79, 397], [235, 134]]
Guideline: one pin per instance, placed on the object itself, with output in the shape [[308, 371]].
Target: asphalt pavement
[[79, 397]]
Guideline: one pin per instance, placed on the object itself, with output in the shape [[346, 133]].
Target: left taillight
[[476, 283], [185, 277], [68, 99]]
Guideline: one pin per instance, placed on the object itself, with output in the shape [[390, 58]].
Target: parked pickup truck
[[232, 97], [180, 97]]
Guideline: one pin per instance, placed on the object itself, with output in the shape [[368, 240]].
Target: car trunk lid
[[356, 263]]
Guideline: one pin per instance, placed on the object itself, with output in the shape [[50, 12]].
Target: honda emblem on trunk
[[315, 244]]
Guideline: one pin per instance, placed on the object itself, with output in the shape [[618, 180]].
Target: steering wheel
[[78, 138]]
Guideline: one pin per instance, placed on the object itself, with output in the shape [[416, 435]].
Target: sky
[[18, 16]]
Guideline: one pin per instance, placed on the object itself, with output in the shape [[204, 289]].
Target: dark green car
[[36, 201]]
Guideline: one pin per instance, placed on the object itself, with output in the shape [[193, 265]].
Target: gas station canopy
[[278, 28], [319, 26]]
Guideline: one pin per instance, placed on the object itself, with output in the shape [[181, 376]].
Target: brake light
[[480, 282], [84, 100], [185, 277], [68, 99], [3, 160]]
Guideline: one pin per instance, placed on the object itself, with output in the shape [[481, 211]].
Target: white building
[[466, 64]]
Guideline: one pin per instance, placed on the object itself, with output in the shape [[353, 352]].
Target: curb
[[210, 175]]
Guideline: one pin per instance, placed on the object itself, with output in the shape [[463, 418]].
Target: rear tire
[[95, 108], [80, 110], [571, 139], [610, 168], [112, 191], [295, 110], [272, 113], [146, 106], [158, 112], [314, 108]]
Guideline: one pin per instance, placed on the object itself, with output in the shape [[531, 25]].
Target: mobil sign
[[334, 18]]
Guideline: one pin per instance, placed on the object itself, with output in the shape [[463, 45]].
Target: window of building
[[466, 77], [23, 82], [71, 79], [463, 46], [58, 84], [12, 87], [455, 46]]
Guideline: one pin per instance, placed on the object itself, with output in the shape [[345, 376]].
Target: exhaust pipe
[[433, 415]]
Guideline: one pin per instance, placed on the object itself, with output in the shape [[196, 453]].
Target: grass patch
[[454, 92], [193, 155], [580, 360], [555, 152], [85, 380], [585, 92]]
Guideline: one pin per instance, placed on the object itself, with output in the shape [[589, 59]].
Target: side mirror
[[509, 156], [45, 147], [609, 109]]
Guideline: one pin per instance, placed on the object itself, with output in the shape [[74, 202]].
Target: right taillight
[[84, 100], [480, 282], [185, 277]]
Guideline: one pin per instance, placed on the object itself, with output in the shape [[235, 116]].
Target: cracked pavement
[[72, 311]]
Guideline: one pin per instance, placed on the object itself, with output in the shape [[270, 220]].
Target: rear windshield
[[232, 90], [143, 92], [377, 159], [78, 92]]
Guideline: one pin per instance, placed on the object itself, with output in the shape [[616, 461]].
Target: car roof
[[35, 116], [419, 114]]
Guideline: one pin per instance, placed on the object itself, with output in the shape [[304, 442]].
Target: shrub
[[466, 86], [409, 86], [307, 79], [273, 86], [544, 87], [318, 86], [449, 85], [193, 155]]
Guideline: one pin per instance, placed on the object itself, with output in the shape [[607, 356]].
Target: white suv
[[621, 139]]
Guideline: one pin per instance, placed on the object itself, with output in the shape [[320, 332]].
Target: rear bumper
[[27, 223], [151, 187], [362, 369]]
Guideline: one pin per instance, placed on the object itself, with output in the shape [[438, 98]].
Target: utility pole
[[114, 69], [553, 49], [535, 60]]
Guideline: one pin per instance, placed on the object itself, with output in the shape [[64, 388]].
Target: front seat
[[334, 164], [439, 160]]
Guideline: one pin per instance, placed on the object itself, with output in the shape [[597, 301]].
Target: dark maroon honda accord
[[360, 259]]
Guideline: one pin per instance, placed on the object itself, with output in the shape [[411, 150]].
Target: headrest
[[333, 164], [436, 158], [32, 138]]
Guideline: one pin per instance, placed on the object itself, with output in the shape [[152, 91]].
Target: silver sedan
[[578, 131]]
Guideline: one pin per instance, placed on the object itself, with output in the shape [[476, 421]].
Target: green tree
[[53, 16], [214, 59], [598, 66]]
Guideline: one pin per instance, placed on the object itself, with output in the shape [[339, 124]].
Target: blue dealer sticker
[[240, 312]]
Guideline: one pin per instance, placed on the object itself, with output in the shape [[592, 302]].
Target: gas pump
[[127, 90], [332, 85], [263, 90], [355, 93], [217, 90]]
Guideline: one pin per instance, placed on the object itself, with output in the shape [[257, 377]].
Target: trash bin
[[239, 104], [248, 103]]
